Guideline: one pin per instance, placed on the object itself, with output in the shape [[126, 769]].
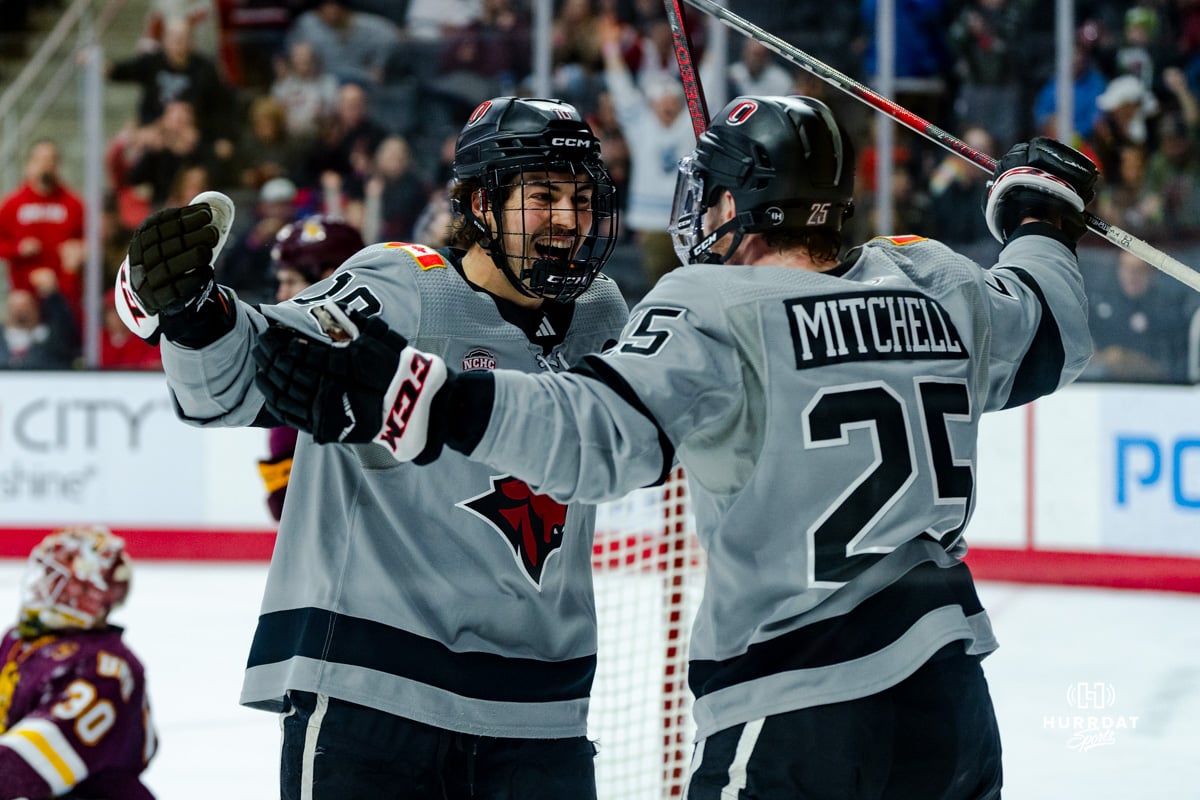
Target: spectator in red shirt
[[41, 225]]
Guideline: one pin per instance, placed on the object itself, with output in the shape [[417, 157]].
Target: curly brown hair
[[462, 232], [822, 244]]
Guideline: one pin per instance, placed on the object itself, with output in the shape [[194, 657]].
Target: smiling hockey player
[[424, 630]]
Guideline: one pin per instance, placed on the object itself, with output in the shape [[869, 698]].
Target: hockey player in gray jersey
[[426, 632], [825, 404]]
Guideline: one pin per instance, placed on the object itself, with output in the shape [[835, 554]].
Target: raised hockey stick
[[688, 72], [1122, 239]]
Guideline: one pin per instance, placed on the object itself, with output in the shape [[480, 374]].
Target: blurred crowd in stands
[[352, 108]]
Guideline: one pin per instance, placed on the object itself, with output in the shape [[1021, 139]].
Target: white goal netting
[[648, 570]]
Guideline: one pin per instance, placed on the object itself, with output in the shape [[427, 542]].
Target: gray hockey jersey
[[828, 425], [449, 594]]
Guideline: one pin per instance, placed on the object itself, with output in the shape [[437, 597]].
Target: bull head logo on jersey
[[531, 523]]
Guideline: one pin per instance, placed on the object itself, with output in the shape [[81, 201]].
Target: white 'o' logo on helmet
[[775, 215]]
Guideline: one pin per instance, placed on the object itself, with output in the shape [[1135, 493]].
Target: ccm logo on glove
[[409, 403], [408, 395]]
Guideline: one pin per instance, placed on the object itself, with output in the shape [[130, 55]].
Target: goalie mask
[[785, 160], [74, 578], [546, 191]]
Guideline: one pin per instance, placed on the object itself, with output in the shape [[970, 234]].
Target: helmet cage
[[73, 580], [505, 139], [540, 271]]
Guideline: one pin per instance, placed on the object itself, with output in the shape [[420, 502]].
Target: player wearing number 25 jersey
[[827, 417], [825, 405]]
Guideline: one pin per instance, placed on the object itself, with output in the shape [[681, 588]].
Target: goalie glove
[[1044, 179], [368, 385], [167, 280]]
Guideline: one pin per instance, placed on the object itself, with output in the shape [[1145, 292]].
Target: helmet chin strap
[[702, 253], [501, 261], [540, 266]]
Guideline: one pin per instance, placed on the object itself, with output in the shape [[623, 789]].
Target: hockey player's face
[[546, 215]]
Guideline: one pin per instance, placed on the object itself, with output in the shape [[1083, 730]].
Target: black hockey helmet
[[506, 137], [785, 160], [316, 245]]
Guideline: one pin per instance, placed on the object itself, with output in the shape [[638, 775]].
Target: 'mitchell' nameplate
[[870, 326]]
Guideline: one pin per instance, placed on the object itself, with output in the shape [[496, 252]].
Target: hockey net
[[648, 569]]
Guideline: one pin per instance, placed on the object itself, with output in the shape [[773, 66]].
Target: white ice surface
[[1137, 652]]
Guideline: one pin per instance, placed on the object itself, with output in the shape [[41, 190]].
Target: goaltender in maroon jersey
[[74, 716]]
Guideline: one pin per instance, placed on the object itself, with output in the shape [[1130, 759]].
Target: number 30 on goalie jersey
[[73, 712]]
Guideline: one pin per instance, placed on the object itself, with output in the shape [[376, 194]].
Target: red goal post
[[649, 575]]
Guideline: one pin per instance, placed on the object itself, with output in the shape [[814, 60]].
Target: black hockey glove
[[1042, 178], [171, 274], [170, 258], [372, 387]]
